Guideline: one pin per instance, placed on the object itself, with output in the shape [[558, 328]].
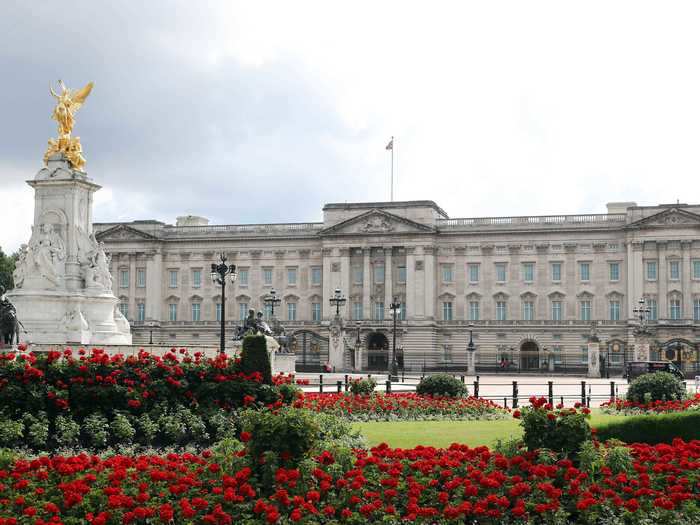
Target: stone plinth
[[594, 359]]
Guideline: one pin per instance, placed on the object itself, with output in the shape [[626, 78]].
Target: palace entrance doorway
[[529, 356], [377, 352]]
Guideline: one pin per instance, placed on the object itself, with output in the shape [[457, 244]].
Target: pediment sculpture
[[377, 224]]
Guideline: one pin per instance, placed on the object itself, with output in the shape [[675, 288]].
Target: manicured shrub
[[288, 392], [562, 429], [441, 385], [363, 387], [653, 428], [254, 357], [659, 386]]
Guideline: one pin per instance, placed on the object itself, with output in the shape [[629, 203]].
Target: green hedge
[[254, 357], [653, 428]]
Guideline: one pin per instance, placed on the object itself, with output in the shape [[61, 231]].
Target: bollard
[[505, 402], [320, 384], [515, 394], [588, 401], [462, 379], [403, 375], [476, 389], [347, 385], [340, 386], [583, 393], [388, 386], [561, 399], [612, 390], [550, 391]]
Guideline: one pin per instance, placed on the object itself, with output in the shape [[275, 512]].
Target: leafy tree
[[7, 266]]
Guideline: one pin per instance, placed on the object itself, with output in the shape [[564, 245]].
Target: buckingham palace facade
[[529, 288]]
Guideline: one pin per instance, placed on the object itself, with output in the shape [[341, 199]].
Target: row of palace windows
[[674, 270], [675, 310], [527, 272]]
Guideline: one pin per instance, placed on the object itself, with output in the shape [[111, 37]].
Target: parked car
[[637, 368]]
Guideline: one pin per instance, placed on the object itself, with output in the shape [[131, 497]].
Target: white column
[[132, 286], [430, 281], [632, 295], [685, 279], [327, 284], [411, 281], [662, 276], [154, 286], [388, 284], [366, 284], [345, 281]]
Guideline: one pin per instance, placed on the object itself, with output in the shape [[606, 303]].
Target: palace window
[[316, 311], [291, 311], [447, 273], [675, 308], [172, 278], [124, 309], [556, 350], [651, 270], [172, 312], [267, 311], [556, 272], [243, 277], [196, 278], [242, 311], [528, 272], [528, 310], [141, 312], [556, 310], [357, 310], [315, 275], [696, 310], [473, 273], [615, 310], [447, 311], [402, 312], [378, 273], [500, 272], [585, 310], [291, 276], [585, 271], [196, 312], [500, 310], [696, 269], [358, 274], [674, 268], [402, 274], [267, 276], [218, 311], [614, 271], [653, 310], [473, 310], [584, 355], [379, 311], [124, 279], [140, 277]]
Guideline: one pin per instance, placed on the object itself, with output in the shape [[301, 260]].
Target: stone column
[[662, 276], [641, 347], [327, 281], [154, 286], [336, 346], [366, 284], [471, 363], [345, 285], [411, 281], [132, 285], [594, 357], [388, 282], [430, 281], [685, 279]]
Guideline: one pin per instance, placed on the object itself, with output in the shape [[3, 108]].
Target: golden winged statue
[[67, 103]]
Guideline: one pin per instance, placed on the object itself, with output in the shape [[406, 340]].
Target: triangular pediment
[[122, 232], [376, 222], [672, 217]]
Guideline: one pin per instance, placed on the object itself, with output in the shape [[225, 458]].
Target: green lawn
[[408, 434]]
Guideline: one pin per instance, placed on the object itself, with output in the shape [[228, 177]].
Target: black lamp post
[[395, 308], [151, 326], [337, 300], [272, 300], [218, 276], [470, 345]]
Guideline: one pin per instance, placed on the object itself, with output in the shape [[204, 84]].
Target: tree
[[7, 266]]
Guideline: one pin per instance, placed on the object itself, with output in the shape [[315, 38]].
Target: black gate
[[311, 350]]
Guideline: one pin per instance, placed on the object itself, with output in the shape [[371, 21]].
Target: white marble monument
[[63, 287]]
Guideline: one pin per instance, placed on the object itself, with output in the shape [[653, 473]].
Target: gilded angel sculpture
[[67, 103]]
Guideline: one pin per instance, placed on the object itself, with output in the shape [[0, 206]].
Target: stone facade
[[530, 286]]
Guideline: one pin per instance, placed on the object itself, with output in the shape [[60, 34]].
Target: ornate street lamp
[[471, 349], [395, 308], [272, 300], [151, 326], [337, 300], [643, 312], [219, 272]]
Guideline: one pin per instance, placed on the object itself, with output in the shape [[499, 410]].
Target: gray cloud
[[161, 128]]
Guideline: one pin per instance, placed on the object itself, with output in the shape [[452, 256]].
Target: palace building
[[530, 289]]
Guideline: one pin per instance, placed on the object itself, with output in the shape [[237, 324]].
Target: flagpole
[[392, 168]]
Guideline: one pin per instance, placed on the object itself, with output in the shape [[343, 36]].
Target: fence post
[[550, 392], [340, 386], [515, 394], [561, 399], [346, 382], [476, 389], [320, 384], [505, 402], [403, 375], [462, 379], [588, 401], [583, 393], [388, 387], [612, 390]]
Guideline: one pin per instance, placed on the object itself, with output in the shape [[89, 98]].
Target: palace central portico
[[529, 287]]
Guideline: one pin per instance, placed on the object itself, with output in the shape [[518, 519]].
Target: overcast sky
[[264, 111]]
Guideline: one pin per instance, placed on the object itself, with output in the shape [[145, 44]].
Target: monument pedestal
[[336, 346], [594, 359]]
